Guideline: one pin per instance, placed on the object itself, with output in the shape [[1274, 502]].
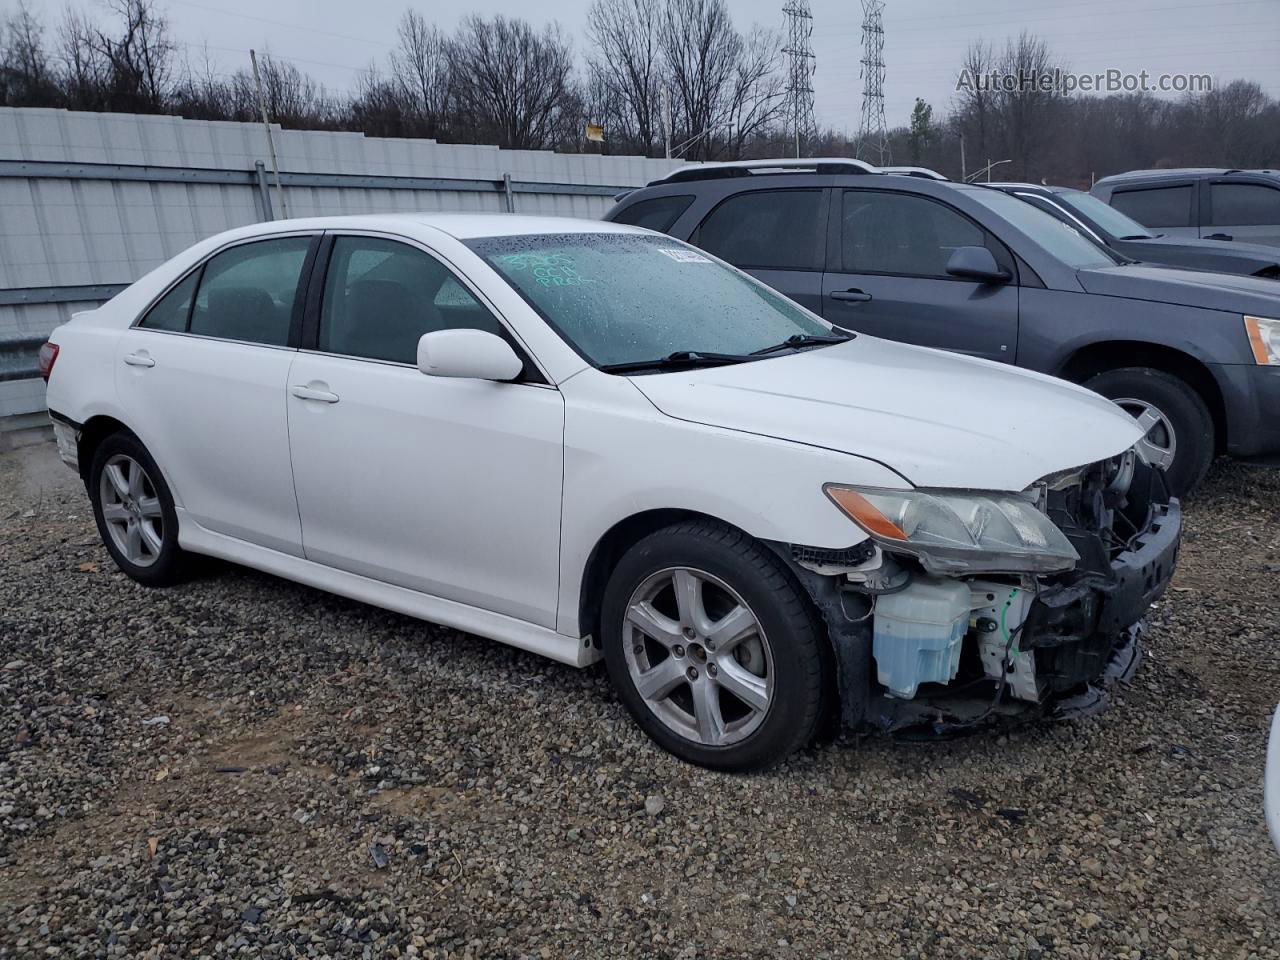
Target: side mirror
[[474, 354], [976, 263]]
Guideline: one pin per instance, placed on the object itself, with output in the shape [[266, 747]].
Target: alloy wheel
[[131, 509], [698, 656], [1159, 443]]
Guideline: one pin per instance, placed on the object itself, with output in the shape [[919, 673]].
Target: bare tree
[[84, 72], [975, 105], [513, 85], [422, 70], [757, 99], [625, 70], [1028, 109], [26, 77], [293, 98], [140, 57]]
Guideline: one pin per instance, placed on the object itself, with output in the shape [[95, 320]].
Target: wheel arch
[[94, 430], [1103, 355]]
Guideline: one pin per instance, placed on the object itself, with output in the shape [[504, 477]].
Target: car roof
[[461, 226], [1132, 176], [1010, 186]]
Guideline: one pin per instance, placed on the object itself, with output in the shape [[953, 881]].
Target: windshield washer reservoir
[[917, 634]]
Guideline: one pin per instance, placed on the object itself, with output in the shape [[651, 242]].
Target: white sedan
[[586, 439]]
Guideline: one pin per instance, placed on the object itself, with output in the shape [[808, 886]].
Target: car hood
[[937, 419], [1252, 256], [1191, 288]]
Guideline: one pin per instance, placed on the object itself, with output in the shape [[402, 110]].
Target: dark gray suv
[[1210, 203], [1194, 356]]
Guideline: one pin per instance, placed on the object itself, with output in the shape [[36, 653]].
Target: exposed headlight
[[1264, 338], [952, 532]]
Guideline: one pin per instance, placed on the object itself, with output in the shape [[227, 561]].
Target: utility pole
[[962, 170], [801, 65], [666, 116], [271, 144], [873, 134]]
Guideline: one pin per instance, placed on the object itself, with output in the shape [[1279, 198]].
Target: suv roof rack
[[748, 168]]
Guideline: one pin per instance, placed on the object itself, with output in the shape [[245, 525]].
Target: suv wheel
[[713, 647], [1179, 427], [134, 511]]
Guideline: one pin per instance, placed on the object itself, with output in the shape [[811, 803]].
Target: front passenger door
[[450, 487], [890, 277]]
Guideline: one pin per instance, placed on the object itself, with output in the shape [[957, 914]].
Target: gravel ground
[[245, 767]]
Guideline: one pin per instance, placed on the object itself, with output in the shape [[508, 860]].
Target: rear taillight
[[45, 360]]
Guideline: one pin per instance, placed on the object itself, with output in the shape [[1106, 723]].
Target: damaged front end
[[962, 609]]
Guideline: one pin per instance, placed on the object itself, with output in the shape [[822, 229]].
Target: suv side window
[[381, 296], [1156, 206], [900, 233], [656, 213], [1244, 204], [247, 293], [767, 229]]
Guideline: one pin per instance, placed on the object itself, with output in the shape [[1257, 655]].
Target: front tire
[[713, 647], [134, 511], [1179, 435]]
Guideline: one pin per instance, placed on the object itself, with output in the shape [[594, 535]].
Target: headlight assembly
[[1264, 338], [958, 532]]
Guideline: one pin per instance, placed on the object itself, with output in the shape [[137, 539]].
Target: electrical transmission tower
[[873, 134], [801, 65]]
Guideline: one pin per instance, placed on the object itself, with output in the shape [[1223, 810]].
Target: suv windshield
[[1108, 219], [627, 298], [1064, 242]]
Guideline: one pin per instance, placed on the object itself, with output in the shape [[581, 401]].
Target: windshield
[[627, 298], [1108, 218], [1061, 240]]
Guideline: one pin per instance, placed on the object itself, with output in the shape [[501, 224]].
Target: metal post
[[506, 189], [963, 174], [264, 191], [271, 144], [666, 110]]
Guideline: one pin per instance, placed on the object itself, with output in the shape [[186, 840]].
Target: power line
[[873, 133], [801, 65]]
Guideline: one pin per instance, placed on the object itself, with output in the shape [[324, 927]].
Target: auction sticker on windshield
[[684, 256]]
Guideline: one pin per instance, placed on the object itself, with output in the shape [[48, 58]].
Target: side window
[[901, 233], [381, 296], [768, 229], [658, 213], [247, 293], [1244, 204], [1157, 206], [173, 310]]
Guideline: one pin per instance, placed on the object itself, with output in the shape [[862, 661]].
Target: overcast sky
[[925, 40]]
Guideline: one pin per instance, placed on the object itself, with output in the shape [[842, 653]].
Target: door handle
[[1219, 236], [138, 360], [851, 296], [311, 393]]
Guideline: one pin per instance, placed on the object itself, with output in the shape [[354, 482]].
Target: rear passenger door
[[201, 377], [888, 277], [778, 236], [1167, 208], [1245, 210]]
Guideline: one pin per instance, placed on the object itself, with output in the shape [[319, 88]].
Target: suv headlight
[[1264, 338], [955, 532]]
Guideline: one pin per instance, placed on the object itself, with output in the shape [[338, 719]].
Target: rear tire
[[713, 647], [134, 512], [1181, 427]]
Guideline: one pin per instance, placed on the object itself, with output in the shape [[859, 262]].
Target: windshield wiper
[[804, 340], [681, 359], [1138, 236]]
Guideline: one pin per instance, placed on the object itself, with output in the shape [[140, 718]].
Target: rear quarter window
[[656, 213]]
